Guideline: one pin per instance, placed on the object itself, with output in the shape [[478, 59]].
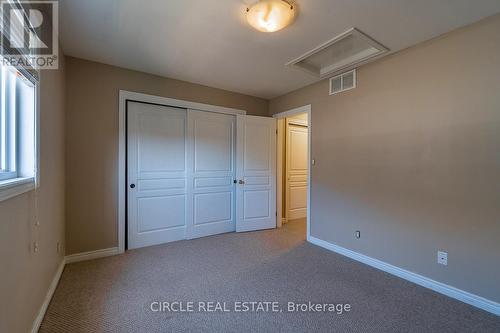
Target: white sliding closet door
[[211, 171], [157, 196], [181, 169], [256, 173]]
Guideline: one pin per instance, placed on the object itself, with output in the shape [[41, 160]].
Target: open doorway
[[293, 168]]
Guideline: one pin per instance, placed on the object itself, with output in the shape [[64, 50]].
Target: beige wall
[[26, 276], [92, 142], [411, 157]]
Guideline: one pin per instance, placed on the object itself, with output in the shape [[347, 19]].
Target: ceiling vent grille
[[343, 82], [344, 52]]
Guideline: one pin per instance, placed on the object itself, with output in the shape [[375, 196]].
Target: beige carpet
[[114, 294]]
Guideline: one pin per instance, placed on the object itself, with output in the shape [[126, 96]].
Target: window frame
[[11, 182], [7, 154]]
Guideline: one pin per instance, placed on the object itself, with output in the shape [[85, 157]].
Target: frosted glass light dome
[[270, 15]]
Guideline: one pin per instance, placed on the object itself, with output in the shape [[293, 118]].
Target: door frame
[[124, 97], [279, 165]]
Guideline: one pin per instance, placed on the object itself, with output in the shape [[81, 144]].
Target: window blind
[[15, 28]]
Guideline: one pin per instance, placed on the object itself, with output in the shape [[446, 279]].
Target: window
[[17, 130]]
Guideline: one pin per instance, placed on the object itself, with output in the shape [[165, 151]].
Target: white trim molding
[[458, 294], [48, 297], [280, 146], [14, 187], [178, 103], [293, 112], [57, 276], [125, 96], [92, 255]]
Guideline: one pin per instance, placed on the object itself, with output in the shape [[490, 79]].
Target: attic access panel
[[343, 52]]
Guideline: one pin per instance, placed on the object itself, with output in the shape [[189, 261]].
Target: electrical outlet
[[358, 234], [442, 258]]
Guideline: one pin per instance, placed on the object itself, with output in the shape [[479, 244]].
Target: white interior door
[[256, 173], [156, 174], [296, 171], [211, 171]]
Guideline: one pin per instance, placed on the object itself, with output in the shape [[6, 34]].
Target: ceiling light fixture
[[271, 15]]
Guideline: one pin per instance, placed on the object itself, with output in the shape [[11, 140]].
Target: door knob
[[132, 185], [241, 182]]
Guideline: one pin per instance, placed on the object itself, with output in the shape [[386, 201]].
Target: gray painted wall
[[411, 157]]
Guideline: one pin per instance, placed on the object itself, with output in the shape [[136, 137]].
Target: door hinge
[[276, 213]]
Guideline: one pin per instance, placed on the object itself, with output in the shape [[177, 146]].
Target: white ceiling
[[209, 42]]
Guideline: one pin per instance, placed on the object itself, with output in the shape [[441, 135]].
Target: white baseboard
[[461, 295], [68, 260], [92, 255], [48, 297]]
